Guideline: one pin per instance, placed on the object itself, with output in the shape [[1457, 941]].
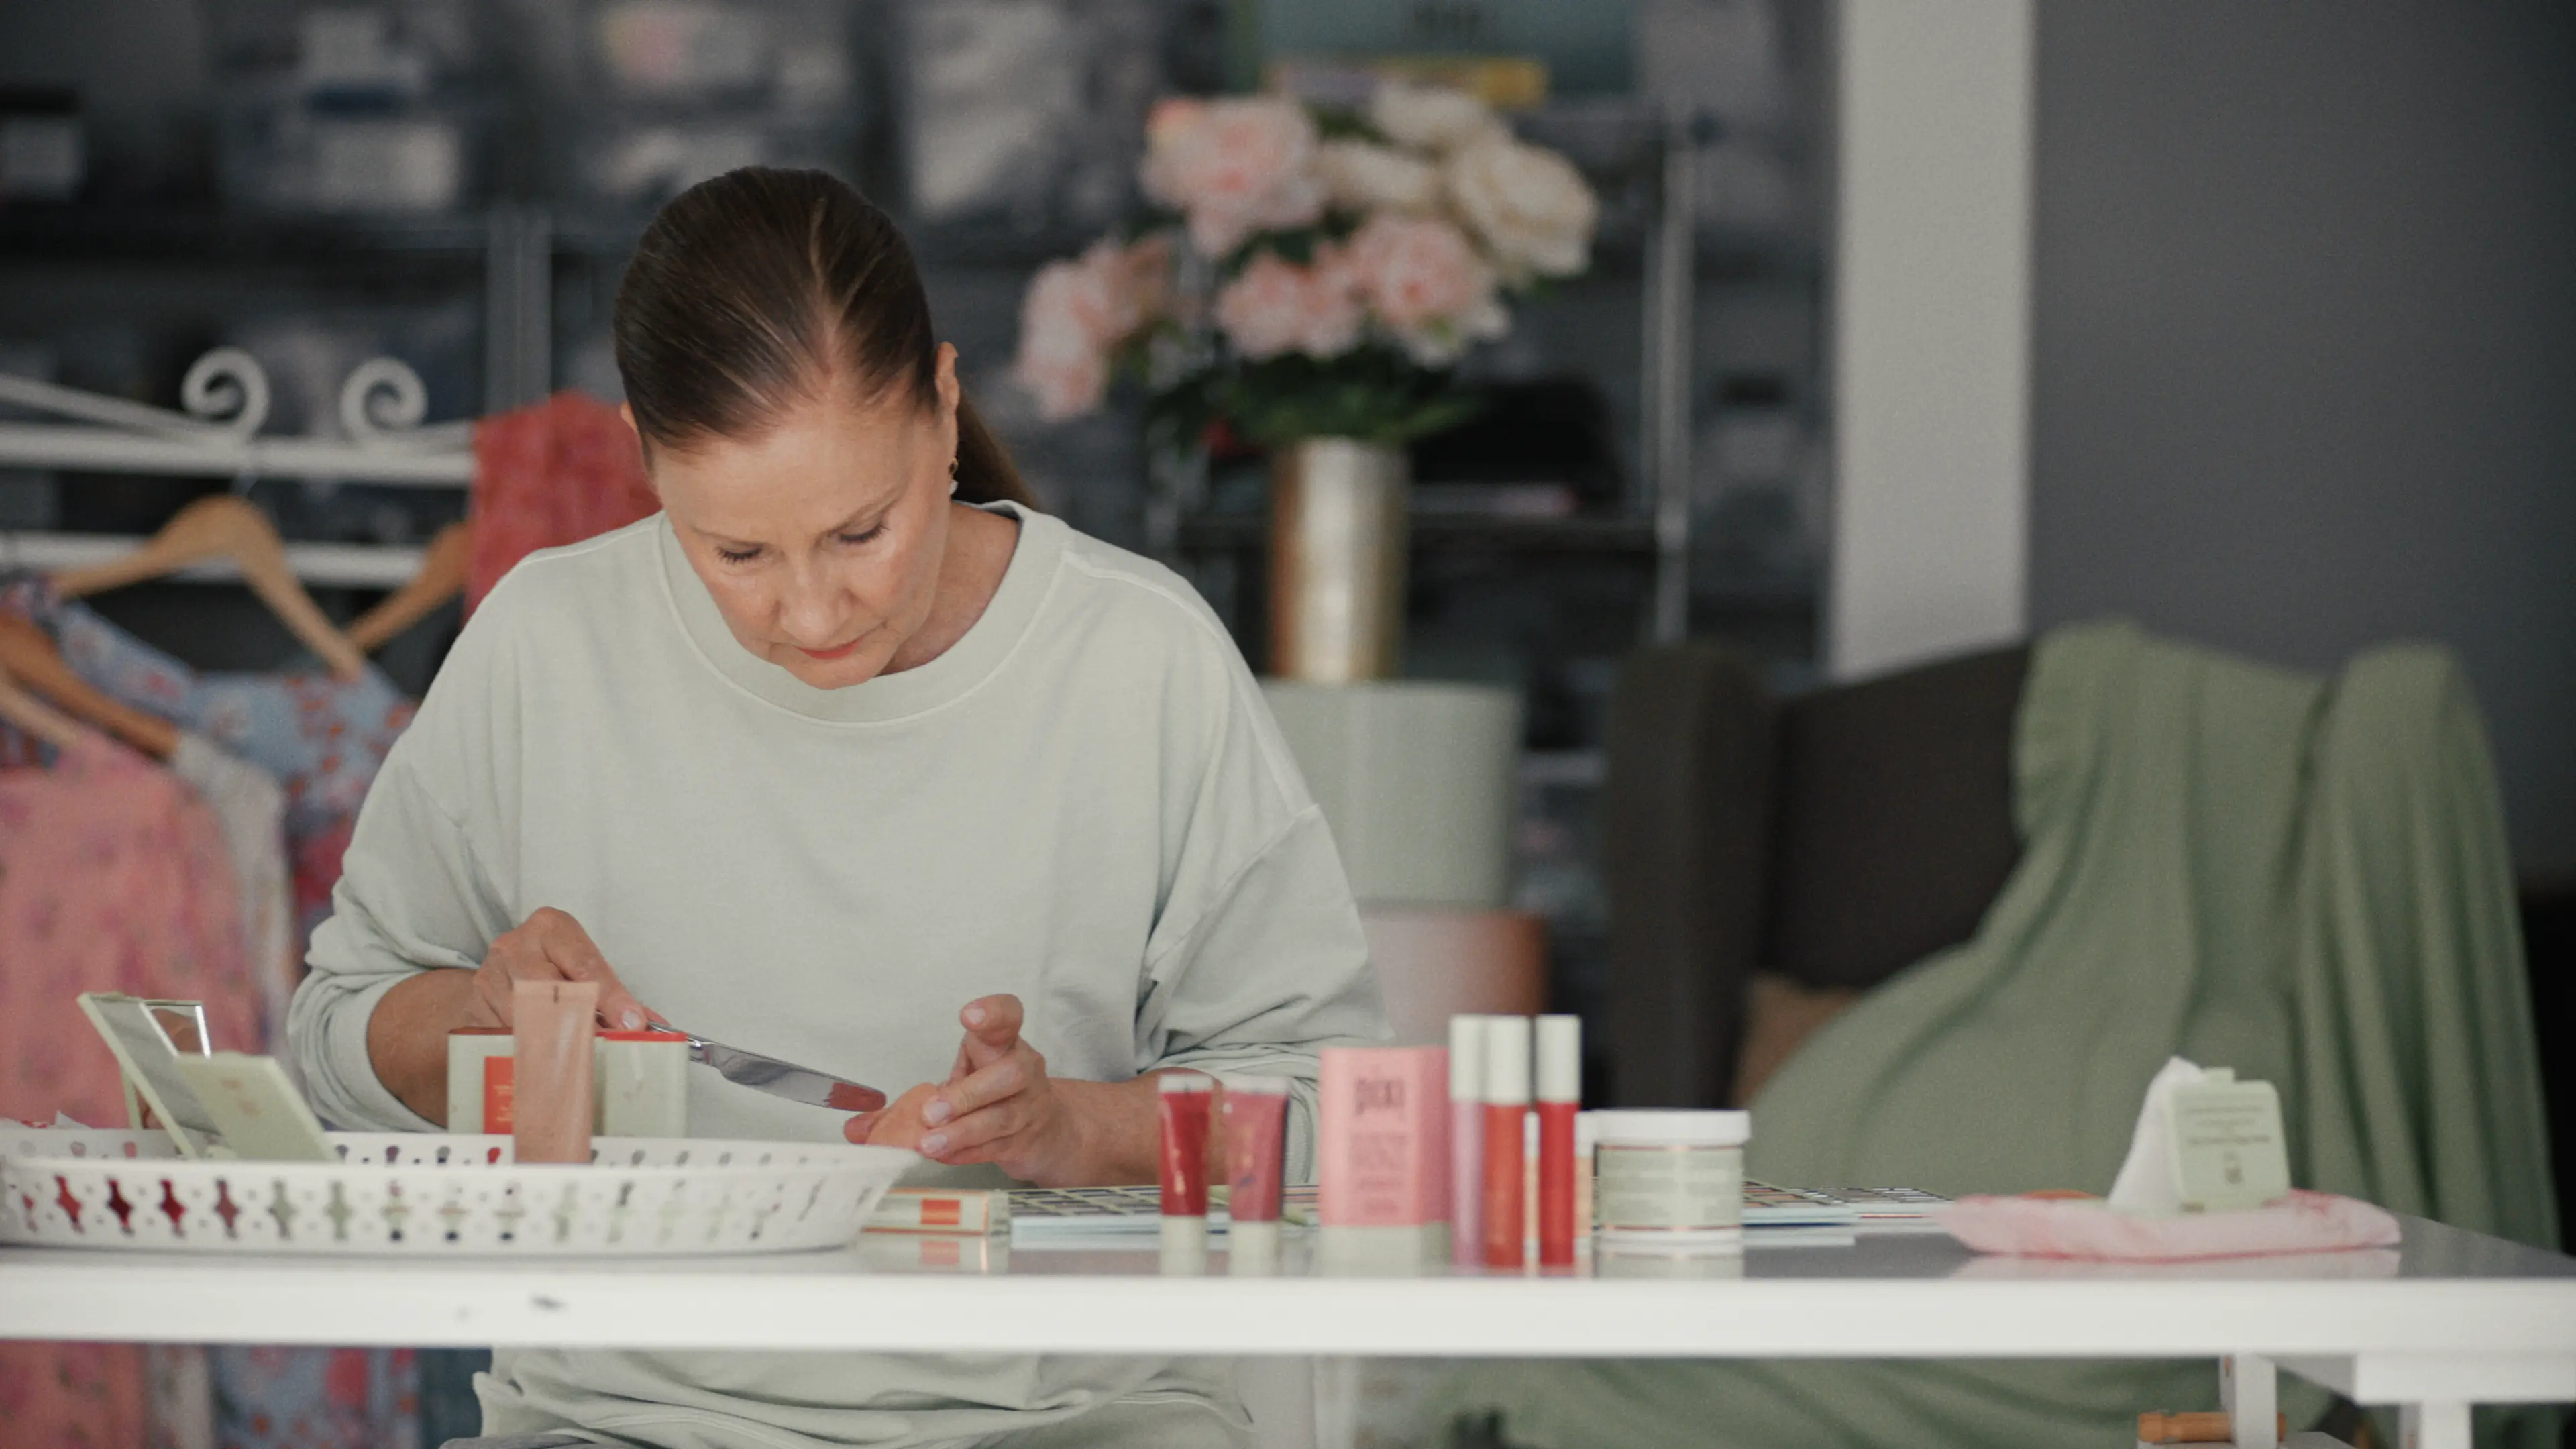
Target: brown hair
[[751, 291]]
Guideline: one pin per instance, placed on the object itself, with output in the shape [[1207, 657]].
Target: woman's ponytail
[[985, 472]]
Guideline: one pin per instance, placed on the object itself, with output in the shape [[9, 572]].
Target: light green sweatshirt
[[1083, 802]]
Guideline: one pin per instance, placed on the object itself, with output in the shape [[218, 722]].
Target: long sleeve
[[410, 899], [1257, 961]]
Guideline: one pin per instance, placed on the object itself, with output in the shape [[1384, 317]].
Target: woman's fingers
[[569, 949], [992, 1024], [989, 1104], [995, 1019], [550, 946], [983, 1087], [976, 1136]]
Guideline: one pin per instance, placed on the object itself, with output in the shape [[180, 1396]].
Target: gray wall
[[2305, 343]]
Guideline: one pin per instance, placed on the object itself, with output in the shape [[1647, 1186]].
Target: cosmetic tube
[[1183, 1101], [1507, 1095], [553, 1072], [1560, 1097], [1467, 1139], [1255, 1110]]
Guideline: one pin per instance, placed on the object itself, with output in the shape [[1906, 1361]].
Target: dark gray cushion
[[1685, 846], [1894, 826]]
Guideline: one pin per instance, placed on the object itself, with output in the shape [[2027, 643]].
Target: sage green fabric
[[2303, 879]]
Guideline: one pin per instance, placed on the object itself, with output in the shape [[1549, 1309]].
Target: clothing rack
[[226, 397]]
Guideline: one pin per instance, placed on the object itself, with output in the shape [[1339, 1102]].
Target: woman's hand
[[407, 1035], [999, 1105], [549, 946]]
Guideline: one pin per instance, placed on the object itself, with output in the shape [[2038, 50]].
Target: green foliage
[[1374, 393], [1344, 123]]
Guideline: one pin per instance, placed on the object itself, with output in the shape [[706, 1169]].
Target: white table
[[2452, 1319]]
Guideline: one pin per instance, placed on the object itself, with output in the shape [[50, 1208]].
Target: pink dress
[[549, 474], [113, 877]]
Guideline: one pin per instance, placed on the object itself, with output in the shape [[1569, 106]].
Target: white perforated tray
[[407, 1193]]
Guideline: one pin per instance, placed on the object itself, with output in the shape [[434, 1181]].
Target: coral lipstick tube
[[1560, 1098], [1506, 1110], [1467, 1139]]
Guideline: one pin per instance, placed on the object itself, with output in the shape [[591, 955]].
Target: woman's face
[[821, 540]]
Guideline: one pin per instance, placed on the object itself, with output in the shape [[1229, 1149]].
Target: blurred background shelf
[[325, 565], [1609, 536], [59, 233]]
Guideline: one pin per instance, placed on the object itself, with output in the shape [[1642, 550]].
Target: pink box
[[1383, 1137]]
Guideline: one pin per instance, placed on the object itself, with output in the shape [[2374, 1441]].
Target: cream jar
[[1673, 1179]]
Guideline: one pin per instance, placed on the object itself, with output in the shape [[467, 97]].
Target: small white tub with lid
[[1670, 1178]]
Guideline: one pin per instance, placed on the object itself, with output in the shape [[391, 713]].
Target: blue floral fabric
[[324, 738]]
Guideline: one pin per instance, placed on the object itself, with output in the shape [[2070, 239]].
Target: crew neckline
[[966, 664]]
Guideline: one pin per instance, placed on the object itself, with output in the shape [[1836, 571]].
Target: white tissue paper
[[2146, 1185]]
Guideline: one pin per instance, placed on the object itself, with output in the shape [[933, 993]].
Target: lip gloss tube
[[1182, 1101], [1467, 1139], [1255, 1112], [1507, 1095], [1560, 1097]]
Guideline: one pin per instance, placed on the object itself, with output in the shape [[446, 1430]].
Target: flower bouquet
[[1308, 273], [1309, 280]]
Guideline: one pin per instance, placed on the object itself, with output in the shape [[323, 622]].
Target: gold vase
[[1337, 540]]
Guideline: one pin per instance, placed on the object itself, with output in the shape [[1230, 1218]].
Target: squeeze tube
[[552, 1072], [1255, 1110], [1182, 1102]]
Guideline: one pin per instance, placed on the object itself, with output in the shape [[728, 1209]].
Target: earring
[[952, 477]]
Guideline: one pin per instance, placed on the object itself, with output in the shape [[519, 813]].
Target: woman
[[826, 762]]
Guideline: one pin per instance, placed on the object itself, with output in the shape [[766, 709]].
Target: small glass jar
[[1673, 1179]]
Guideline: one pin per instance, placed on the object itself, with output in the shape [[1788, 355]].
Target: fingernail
[[634, 1019], [934, 1144], [937, 1112], [974, 1016]]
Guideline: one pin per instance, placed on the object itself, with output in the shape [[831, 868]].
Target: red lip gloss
[[1183, 1101], [1560, 1097], [1507, 1095], [1467, 1140]]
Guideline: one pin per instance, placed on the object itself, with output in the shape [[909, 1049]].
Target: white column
[[1930, 329]]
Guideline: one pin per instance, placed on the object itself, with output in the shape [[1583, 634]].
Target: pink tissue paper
[[2303, 1222]]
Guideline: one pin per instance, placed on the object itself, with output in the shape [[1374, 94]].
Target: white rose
[[1429, 118], [1529, 204], [1359, 176]]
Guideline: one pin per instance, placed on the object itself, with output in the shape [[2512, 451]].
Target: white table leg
[[2250, 1388], [2441, 1424]]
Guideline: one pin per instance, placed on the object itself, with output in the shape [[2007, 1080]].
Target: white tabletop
[[2447, 1294]]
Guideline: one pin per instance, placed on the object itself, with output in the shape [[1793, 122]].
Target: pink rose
[[1427, 285], [1077, 313], [1233, 167], [1277, 306], [1062, 361]]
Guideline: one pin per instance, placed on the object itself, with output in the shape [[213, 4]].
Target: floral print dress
[[324, 739], [113, 877]]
